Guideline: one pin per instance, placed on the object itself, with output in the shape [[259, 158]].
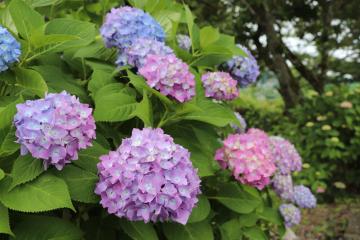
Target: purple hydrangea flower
[[243, 69], [126, 24], [148, 178], [283, 186], [184, 41], [287, 159], [243, 124], [303, 197], [170, 76], [291, 214], [219, 85], [54, 128], [9, 49], [135, 54]]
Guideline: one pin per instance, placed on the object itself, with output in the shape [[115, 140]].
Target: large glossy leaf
[[45, 193], [194, 231], [4, 221], [144, 110], [25, 19], [270, 215], [89, 158], [45, 228], [201, 211], [208, 35], [255, 233], [81, 183], [43, 3], [31, 81], [231, 230], [8, 110], [236, 199], [25, 169], [139, 230], [102, 75], [7, 141]]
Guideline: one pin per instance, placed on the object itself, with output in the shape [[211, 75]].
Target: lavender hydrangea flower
[[135, 54], [170, 76], [283, 186], [243, 69], [148, 178], [291, 214], [184, 42], [303, 197], [219, 85], [54, 128], [9, 49], [124, 25], [287, 159], [243, 125]]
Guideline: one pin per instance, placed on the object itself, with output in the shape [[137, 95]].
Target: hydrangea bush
[[109, 130]]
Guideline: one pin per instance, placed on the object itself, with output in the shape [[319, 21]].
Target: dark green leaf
[[194, 231], [4, 221], [7, 141], [31, 80], [89, 158], [201, 211], [231, 230], [138, 230], [255, 233]]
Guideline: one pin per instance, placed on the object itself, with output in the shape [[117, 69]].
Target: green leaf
[[31, 80], [81, 183], [192, 28], [194, 231], [2, 174], [248, 220], [85, 31], [144, 110], [4, 221], [58, 81], [26, 19], [89, 158], [208, 35], [138, 230], [235, 198], [25, 169], [45, 193], [140, 85], [45, 228], [8, 110], [114, 107], [231, 230], [43, 3], [207, 111], [108, 89], [94, 50], [271, 215], [201, 211], [255, 233], [8, 143], [102, 75]]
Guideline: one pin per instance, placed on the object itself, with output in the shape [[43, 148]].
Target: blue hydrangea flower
[[183, 41], [303, 197], [9, 49], [135, 55], [243, 69], [291, 214], [124, 25]]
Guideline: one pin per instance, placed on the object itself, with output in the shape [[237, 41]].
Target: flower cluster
[[170, 76], [283, 186], [249, 156], [244, 69], [291, 214], [242, 127], [136, 54], [124, 25], [287, 159], [184, 41], [9, 49], [54, 128], [148, 178], [303, 197], [219, 85]]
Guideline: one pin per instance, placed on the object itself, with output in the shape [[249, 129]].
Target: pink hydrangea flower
[[54, 128], [219, 85], [249, 157], [287, 159], [148, 178], [169, 75]]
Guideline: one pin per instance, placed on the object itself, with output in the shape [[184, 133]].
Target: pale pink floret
[[249, 157]]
